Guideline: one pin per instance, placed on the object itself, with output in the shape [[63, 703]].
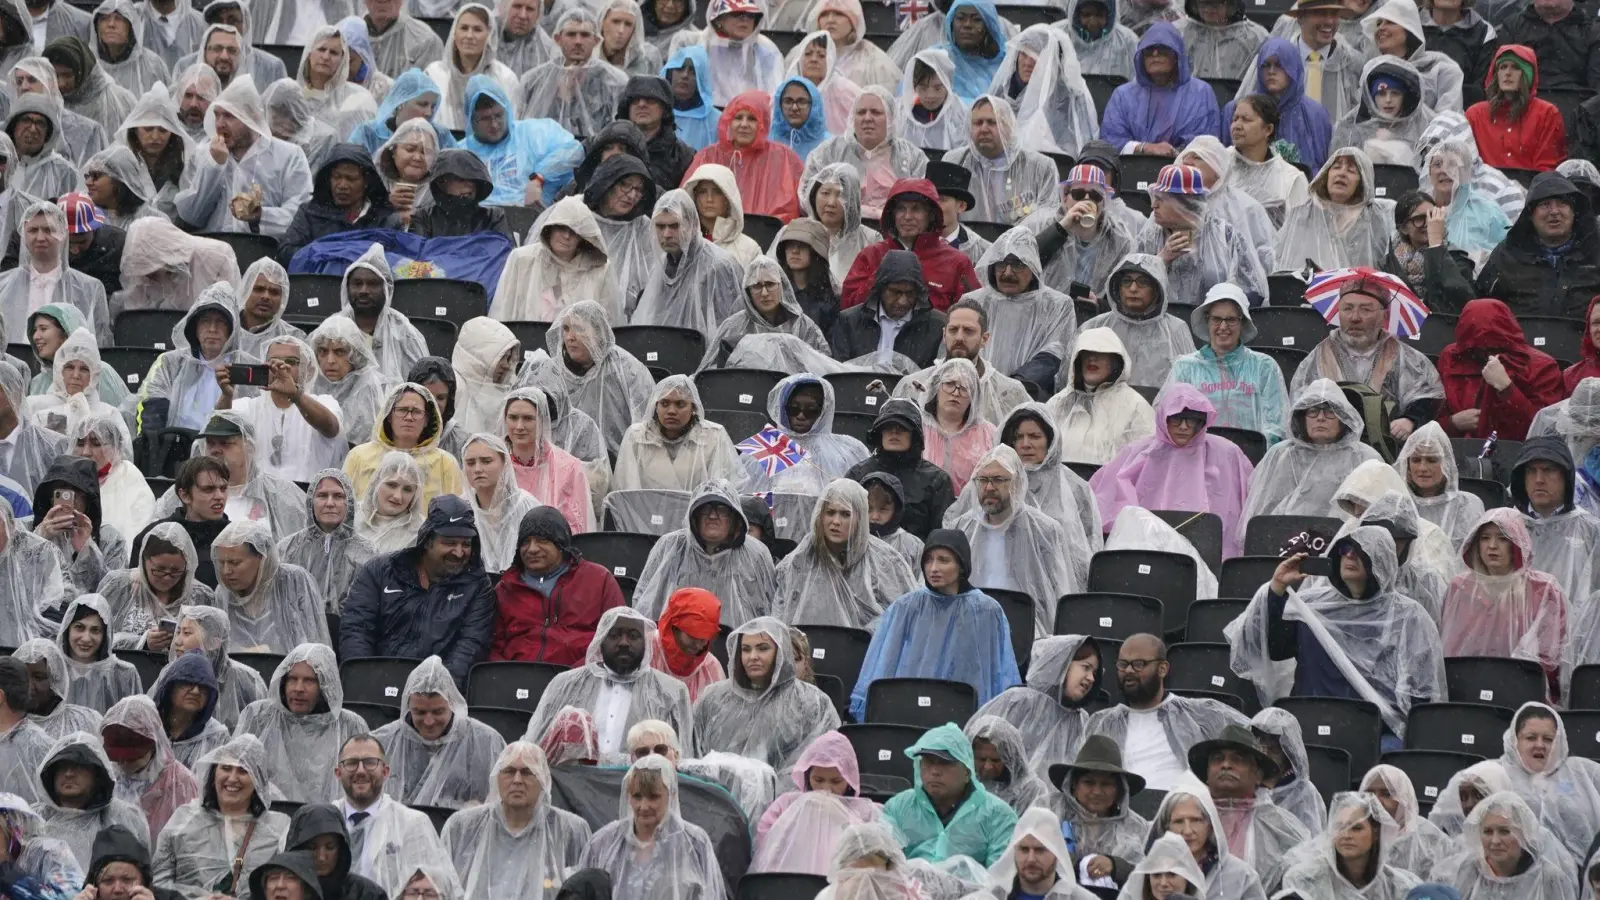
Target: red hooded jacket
[[1488, 327], [1537, 141], [530, 627], [1589, 365], [768, 174], [948, 271]]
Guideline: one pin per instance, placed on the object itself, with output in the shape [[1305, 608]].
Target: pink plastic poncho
[[553, 475], [1522, 615], [800, 830], [768, 173], [1211, 474], [571, 739], [165, 784], [957, 452]]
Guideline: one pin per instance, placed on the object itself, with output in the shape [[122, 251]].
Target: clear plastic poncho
[[1037, 320], [582, 97], [197, 848], [452, 771], [705, 286], [32, 448], [1474, 222], [838, 91], [1522, 614], [332, 558], [1055, 113], [1226, 875], [1484, 779], [60, 410], [535, 284], [1564, 794], [52, 171], [655, 694], [1386, 647], [679, 862], [47, 861], [119, 163], [615, 389], [1294, 791], [295, 119], [102, 681], [1298, 477], [801, 829], [1487, 181], [852, 237], [1452, 509], [1169, 855], [815, 587], [277, 503], [182, 376], [827, 455], [31, 579], [1469, 870], [739, 571], [452, 79], [1417, 843], [270, 165], [551, 474], [284, 609], [948, 130], [1020, 784], [361, 392], [1322, 876], [340, 103], [166, 268], [1223, 249], [72, 288], [268, 270], [238, 685], [649, 461], [750, 321], [66, 717], [390, 532], [1051, 727], [302, 750], [497, 522], [135, 608], [1026, 550], [165, 783], [1334, 236], [956, 450], [1368, 484], [495, 861], [396, 344], [1017, 182], [1387, 139], [1228, 199], [1097, 422], [773, 724], [1411, 376]]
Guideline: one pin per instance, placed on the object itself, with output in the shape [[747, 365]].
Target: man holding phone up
[[297, 433]]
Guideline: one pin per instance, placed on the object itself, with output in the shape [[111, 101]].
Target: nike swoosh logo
[[458, 519], [452, 597], [391, 590]]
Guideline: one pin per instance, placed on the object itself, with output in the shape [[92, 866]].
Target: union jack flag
[[906, 12], [773, 449]]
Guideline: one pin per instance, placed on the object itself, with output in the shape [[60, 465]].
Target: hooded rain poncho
[[453, 770], [980, 827], [395, 343], [71, 288], [814, 587], [390, 532], [1245, 386], [1564, 794], [773, 724], [331, 557], [284, 609], [277, 168], [947, 129], [536, 284], [302, 749], [1469, 870], [165, 783], [1417, 842], [197, 848], [31, 582], [1011, 186], [827, 455], [1153, 338], [96, 683], [1323, 876], [66, 717], [362, 391], [1294, 792], [497, 522], [705, 284], [1051, 724], [1387, 139], [582, 97], [739, 571], [801, 829], [1519, 615], [1097, 422], [649, 461], [1039, 319], [679, 862], [792, 320], [1298, 477], [78, 827], [615, 388], [1019, 785], [1332, 235], [1055, 113], [453, 80]]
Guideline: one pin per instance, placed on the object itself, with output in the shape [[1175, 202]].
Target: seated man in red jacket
[[549, 603], [914, 220]]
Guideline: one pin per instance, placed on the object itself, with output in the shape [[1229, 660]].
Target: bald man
[[1155, 728]]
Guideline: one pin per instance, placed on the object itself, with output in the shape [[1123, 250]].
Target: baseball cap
[[82, 215], [222, 427], [937, 754]]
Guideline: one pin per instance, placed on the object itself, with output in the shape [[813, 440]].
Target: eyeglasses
[[420, 894], [1135, 665], [795, 102], [657, 749], [1225, 321], [370, 763], [408, 412], [626, 187], [954, 389], [992, 480], [1321, 412], [1418, 221], [1011, 265], [716, 512], [765, 287], [167, 572]]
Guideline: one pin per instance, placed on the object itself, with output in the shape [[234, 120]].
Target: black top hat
[[951, 179], [1233, 737], [1098, 754]]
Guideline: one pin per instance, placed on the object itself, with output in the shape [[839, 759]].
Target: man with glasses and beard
[[1156, 729], [388, 839], [619, 689]]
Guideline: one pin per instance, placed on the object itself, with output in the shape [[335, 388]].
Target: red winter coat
[[1537, 141], [1488, 327], [1588, 365], [530, 627], [948, 271]]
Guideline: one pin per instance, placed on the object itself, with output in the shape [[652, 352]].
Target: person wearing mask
[[319, 830], [1009, 181], [896, 442], [712, 551], [303, 723], [328, 548], [1343, 226], [598, 377], [947, 810], [197, 851], [1244, 386], [346, 195], [400, 41], [1362, 350], [461, 186], [1494, 381], [1155, 727], [905, 644], [1423, 256], [896, 315], [1096, 409], [1515, 129], [1166, 106], [647, 102], [618, 663], [472, 50], [1546, 264], [549, 600], [1233, 767]]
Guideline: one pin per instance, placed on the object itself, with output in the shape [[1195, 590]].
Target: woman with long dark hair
[[1514, 128]]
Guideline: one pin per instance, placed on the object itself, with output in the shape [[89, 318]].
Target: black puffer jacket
[[450, 217], [669, 156], [1533, 283], [315, 820], [1568, 51], [319, 217], [856, 331], [927, 488]]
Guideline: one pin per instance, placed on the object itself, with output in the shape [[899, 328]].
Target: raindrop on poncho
[[496, 861], [283, 609], [1334, 235], [105, 679], [1097, 422], [615, 388], [773, 724], [1245, 386], [739, 571], [330, 556], [294, 119], [453, 770], [165, 783], [302, 749], [853, 588], [704, 286], [1052, 726], [77, 827], [1470, 872], [166, 268], [197, 848], [654, 694], [678, 863]]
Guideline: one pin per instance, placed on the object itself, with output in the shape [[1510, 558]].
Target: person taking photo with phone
[[297, 432]]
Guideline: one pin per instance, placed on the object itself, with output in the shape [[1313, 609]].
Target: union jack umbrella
[[773, 449], [1406, 311]]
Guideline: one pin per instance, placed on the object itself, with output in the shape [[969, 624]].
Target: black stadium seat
[[620, 552], [1205, 667], [920, 702], [1266, 535], [1430, 771], [316, 296], [1585, 690], [1393, 181], [1560, 338], [512, 724], [739, 423], [1299, 327], [439, 335], [1493, 494], [530, 334], [1020, 613], [132, 363], [1583, 732], [1438, 331], [1168, 577], [881, 748], [1494, 680], [1351, 725], [376, 715], [1118, 616], [762, 229], [1330, 770], [145, 328], [148, 662], [1101, 87], [1457, 727], [779, 886], [1207, 618], [837, 651], [449, 299], [1202, 529], [853, 424], [24, 352], [265, 664], [376, 679], [862, 392], [678, 350], [247, 248], [745, 389], [510, 685], [1253, 443]]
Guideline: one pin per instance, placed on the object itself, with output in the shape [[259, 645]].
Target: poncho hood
[[1099, 340], [1389, 68], [313, 821], [298, 863], [1546, 448], [613, 170], [718, 492], [903, 267], [356, 155], [1524, 241], [115, 843], [1324, 392], [755, 103], [1164, 36], [83, 750]]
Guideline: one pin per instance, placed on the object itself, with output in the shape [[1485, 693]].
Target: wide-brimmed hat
[[1233, 737], [1301, 6], [1098, 754]]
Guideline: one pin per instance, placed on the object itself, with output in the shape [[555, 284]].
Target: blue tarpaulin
[[475, 257]]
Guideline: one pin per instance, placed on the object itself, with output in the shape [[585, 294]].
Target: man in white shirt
[[297, 433], [1154, 728], [388, 840]]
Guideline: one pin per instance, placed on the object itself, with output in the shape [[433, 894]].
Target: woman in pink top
[[544, 470], [954, 433], [1179, 467], [799, 830]]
